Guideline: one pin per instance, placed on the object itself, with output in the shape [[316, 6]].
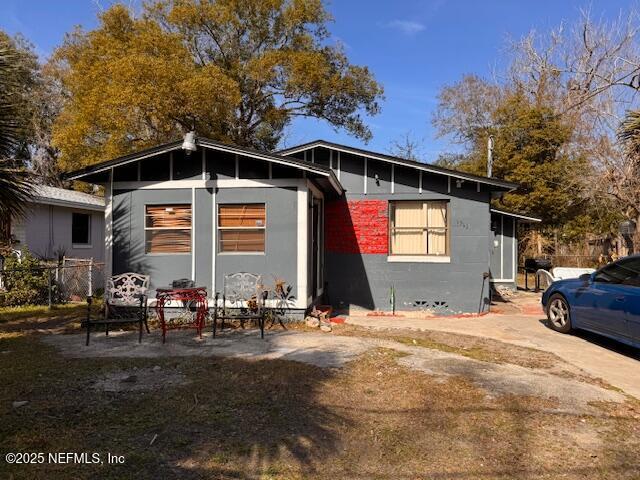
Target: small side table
[[186, 298]]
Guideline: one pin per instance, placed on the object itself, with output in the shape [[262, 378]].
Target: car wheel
[[558, 313]]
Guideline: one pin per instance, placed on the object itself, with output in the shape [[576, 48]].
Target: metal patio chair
[[125, 301], [242, 300]]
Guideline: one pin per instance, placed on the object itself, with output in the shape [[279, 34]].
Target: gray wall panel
[[204, 237], [352, 172], [407, 180], [280, 258], [364, 281], [128, 248], [383, 170]]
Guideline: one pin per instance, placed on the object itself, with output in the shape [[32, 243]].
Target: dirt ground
[[520, 322], [402, 405]]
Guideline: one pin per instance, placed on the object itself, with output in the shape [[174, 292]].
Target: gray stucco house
[[60, 221], [339, 224]]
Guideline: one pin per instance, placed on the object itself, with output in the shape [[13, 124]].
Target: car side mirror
[[585, 277]]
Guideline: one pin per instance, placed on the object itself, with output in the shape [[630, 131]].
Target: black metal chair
[[125, 303], [242, 300]]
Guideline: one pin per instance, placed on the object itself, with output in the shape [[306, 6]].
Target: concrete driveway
[[616, 364]]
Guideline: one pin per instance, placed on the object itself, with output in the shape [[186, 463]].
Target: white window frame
[[167, 205], [424, 257], [89, 243], [219, 228]]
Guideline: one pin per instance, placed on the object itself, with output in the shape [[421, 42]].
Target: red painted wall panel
[[357, 226]]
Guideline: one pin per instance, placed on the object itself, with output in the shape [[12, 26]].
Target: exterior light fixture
[[189, 143]]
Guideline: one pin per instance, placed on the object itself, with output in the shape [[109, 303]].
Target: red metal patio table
[[192, 300]]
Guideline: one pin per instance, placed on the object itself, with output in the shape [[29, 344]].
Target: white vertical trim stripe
[[393, 178], [204, 166], [366, 174], [420, 180], [501, 246], [514, 249], [193, 236], [214, 242], [108, 226], [303, 202]]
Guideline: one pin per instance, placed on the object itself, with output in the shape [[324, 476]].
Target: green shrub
[[25, 281]]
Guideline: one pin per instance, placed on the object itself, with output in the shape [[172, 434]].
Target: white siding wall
[[47, 228]]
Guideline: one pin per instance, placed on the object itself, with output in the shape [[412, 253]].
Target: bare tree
[[407, 147], [465, 109], [589, 73]]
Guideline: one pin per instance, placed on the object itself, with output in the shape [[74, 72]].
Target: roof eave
[[503, 185], [517, 215], [205, 142], [67, 204]]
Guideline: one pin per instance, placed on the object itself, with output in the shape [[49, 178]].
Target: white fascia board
[[227, 149], [516, 215], [223, 183], [425, 167], [66, 204]]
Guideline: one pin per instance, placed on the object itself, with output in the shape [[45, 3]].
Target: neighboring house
[[331, 220], [59, 221]]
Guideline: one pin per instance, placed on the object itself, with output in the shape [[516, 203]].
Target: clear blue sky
[[413, 47]]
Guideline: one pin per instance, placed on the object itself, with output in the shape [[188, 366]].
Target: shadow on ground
[[601, 341], [238, 418]]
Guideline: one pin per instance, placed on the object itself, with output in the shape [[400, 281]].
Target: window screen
[[419, 228], [242, 228], [168, 229]]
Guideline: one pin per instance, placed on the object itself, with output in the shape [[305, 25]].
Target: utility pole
[[490, 156]]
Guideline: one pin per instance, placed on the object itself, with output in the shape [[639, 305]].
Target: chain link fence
[[71, 281], [579, 261]]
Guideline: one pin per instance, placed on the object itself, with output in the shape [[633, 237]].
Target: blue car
[[606, 302]]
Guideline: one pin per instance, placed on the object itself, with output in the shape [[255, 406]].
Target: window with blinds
[[242, 228], [167, 229], [419, 228]]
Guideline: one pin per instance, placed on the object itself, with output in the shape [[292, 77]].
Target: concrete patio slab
[[330, 350]]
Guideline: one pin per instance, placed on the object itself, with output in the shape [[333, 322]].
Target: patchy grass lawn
[[230, 418]]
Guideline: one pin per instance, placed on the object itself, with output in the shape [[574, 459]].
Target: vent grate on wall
[[430, 304]]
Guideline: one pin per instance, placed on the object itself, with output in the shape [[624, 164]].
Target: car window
[[624, 272]]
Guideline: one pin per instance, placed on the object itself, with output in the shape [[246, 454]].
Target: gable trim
[[508, 186], [516, 215], [206, 143]]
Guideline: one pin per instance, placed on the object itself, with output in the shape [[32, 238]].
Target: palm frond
[[629, 132], [9, 129], [15, 185], [16, 188]]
